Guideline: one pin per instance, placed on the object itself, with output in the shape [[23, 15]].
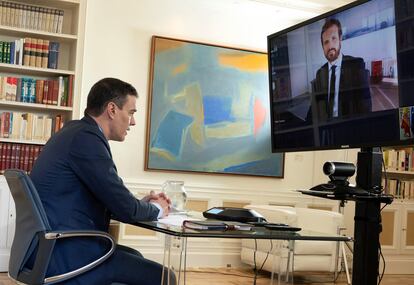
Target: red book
[[8, 156], [31, 155], [6, 125], [18, 153], [50, 92], [13, 156], [2, 123], [58, 121], [45, 91], [26, 158], [21, 163], [39, 91], [55, 92], [2, 160]]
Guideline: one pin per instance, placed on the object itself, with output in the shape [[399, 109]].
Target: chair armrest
[[69, 234]]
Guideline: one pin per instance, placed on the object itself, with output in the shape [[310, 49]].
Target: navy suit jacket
[[354, 95], [80, 189]]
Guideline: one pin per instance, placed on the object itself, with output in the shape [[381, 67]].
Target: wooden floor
[[209, 276]]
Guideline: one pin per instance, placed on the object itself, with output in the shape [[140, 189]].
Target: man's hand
[[161, 199]]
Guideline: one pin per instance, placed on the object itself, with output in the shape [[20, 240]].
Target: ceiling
[[310, 6]]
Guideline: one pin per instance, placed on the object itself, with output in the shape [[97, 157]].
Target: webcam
[[339, 172]]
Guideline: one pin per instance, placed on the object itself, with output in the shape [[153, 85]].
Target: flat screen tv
[[344, 79]]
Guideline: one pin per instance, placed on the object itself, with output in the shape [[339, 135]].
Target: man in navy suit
[[80, 189], [341, 87]]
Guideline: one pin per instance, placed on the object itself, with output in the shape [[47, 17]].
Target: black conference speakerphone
[[245, 216]]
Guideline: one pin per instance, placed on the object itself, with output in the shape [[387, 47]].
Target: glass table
[[175, 244]]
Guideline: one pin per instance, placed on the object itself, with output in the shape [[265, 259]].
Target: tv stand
[[367, 216]]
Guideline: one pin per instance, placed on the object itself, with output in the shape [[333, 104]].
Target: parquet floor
[[211, 276]]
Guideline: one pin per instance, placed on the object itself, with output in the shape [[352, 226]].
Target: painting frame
[[181, 141]]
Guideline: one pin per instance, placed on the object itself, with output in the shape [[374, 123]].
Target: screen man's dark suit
[[80, 189], [354, 95]]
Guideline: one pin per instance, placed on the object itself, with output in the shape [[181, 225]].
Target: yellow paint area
[[179, 69], [162, 153], [166, 44], [228, 130], [241, 106], [249, 62]]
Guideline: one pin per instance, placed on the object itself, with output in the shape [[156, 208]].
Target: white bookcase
[[71, 40]]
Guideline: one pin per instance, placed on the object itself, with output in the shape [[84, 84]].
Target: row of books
[[403, 189], [405, 37], [29, 126], [57, 91], [31, 17], [30, 52], [15, 155], [399, 159], [405, 8]]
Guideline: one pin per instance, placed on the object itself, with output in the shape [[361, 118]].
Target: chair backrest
[[31, 219]]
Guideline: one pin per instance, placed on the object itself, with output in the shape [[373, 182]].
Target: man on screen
[[341, 85]]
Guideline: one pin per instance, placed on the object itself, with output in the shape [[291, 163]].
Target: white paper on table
[[176, 219]]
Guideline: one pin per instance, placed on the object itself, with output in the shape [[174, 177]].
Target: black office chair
[[32, 229]]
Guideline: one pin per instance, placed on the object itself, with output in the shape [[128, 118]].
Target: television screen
[[344, 79]]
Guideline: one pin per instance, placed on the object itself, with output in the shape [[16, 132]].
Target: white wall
[[117, 44]]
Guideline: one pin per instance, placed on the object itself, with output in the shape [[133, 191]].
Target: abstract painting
[[208, 110]]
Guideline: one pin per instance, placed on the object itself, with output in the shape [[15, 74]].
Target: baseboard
[[398, 264]]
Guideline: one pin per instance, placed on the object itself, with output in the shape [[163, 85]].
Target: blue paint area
[[216, 109], [265, 167], [170, 132]]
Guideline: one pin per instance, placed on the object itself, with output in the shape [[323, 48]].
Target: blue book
[[25, 90], [53, 55], [12, 52], [32, 90]]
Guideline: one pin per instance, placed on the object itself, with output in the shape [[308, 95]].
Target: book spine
[[12, 53], [32, 90], [53, 55], [13, 156], [8, 156], [45, 91], [70, 90], [6, 130], [27, 45], [3, 157], [39, 52], [60, 21], [32, 53], [50, 92], [18, 153], [39, 91]]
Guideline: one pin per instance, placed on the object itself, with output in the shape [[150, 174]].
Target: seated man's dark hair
[[108, 90]]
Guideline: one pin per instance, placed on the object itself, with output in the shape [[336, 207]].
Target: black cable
[[254, 261], [256, 272], [383, 269], [385, 188], [267, 255]]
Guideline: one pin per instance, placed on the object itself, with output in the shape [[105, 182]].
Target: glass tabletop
[[175, 229]]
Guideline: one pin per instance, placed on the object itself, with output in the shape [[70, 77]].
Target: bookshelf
[[21, 146], [41, 43], [397, 237]]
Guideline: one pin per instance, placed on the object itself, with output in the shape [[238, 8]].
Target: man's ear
[[111, 109]]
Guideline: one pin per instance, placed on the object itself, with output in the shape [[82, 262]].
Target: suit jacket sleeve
[[92, 162]]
